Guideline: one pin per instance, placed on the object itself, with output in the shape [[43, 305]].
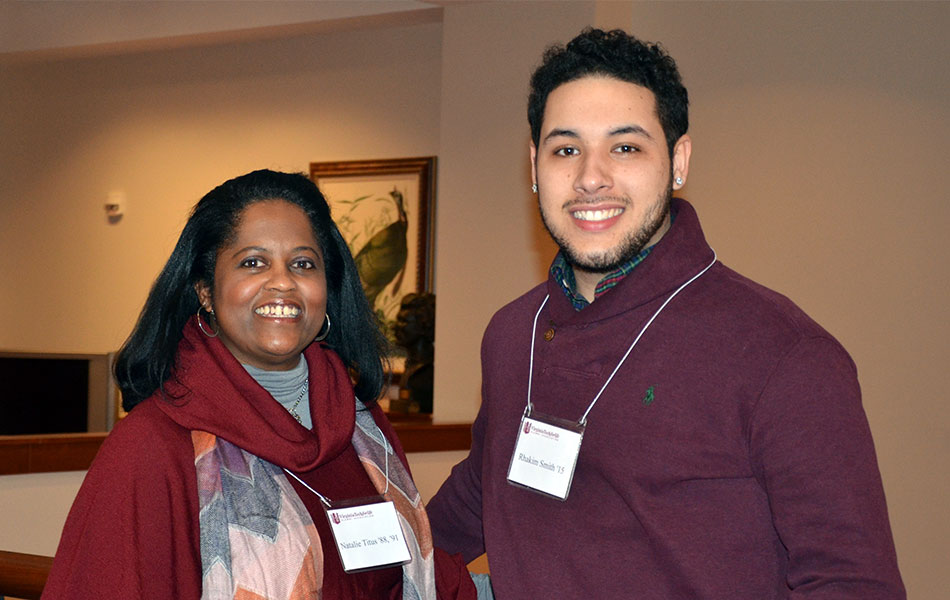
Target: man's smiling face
[[604, 172]]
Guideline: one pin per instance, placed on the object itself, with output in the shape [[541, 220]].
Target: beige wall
[[164, 128], [820, 135], [43, 26], [33, 509]]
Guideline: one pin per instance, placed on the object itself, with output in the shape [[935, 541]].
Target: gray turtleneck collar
[[286, 387]]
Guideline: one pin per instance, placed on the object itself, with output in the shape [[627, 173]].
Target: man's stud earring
[[534, 188], [679, 181]]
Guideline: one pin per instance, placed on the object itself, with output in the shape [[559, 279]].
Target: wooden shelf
[[47, 453], [75, 451], [23, 575], [426, 437]]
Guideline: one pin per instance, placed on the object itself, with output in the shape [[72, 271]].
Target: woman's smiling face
[[270, 287]]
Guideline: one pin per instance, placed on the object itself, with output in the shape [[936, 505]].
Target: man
[[714, 432]]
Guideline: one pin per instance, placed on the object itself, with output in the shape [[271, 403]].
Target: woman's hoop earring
[[326, 332], [201, 324]]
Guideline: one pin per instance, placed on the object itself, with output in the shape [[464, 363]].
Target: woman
[[243, 423]]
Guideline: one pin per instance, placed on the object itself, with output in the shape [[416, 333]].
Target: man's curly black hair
[[612, 54]]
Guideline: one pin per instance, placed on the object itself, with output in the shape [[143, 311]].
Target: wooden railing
[[23, 575], [75, 451], [48, 453]]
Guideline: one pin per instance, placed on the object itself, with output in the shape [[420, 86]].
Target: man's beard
[[613, 258]]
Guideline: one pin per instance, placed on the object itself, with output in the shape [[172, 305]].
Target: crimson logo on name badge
[[527, 427], [335, 517]]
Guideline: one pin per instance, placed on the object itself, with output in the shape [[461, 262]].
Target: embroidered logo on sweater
[[648, 397]]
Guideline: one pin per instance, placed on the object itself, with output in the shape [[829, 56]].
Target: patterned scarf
[[259, 542]]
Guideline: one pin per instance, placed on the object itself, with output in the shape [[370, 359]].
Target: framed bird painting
[[384, 209]]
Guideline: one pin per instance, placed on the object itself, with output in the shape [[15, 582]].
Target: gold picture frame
[[385, 210]]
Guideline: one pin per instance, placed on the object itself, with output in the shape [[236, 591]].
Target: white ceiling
[[39, 28]]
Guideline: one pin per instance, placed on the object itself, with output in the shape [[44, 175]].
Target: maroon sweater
[[133, 531], [730, 457]]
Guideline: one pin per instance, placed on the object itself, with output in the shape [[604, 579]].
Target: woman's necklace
[[300, 396]]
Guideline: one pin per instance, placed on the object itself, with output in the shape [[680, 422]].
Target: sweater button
[[549, 335]]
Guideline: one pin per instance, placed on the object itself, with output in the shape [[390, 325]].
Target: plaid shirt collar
[[564, 275]]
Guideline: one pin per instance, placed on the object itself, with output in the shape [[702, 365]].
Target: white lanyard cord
[[326, 500], [385, 446], [583, 420], [534, 329], [304, 483]]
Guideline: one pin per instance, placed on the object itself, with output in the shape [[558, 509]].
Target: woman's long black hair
[[147, 358]]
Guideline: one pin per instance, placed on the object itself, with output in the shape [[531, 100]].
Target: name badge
[[545, 455], [367, 534]]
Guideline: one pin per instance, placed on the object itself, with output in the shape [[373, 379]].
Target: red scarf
[[226, 402]]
